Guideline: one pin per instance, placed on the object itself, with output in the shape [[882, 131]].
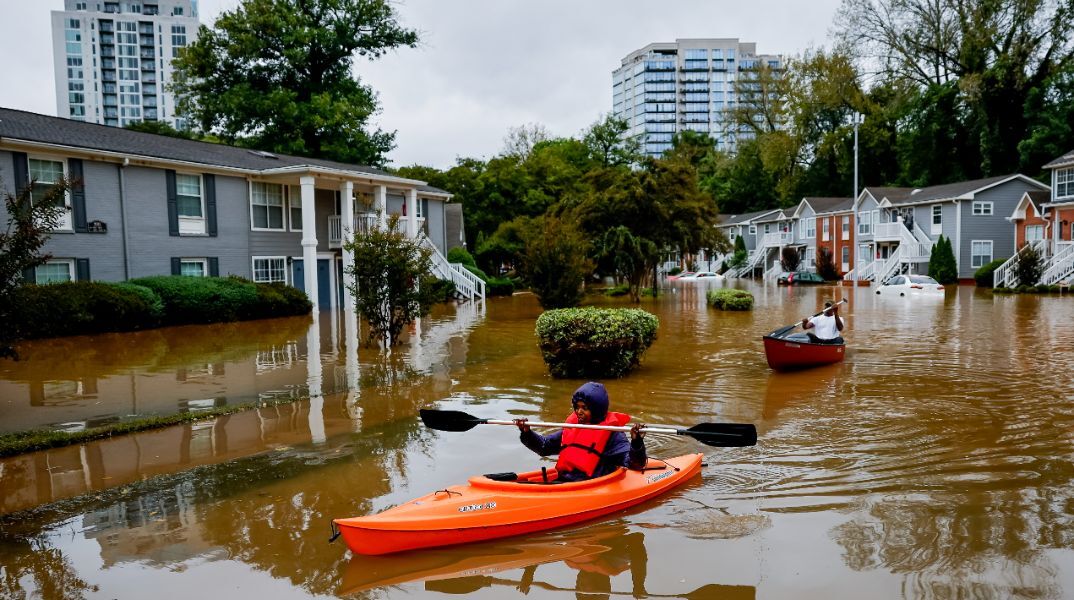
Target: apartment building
[[113, 58], [685, 85]]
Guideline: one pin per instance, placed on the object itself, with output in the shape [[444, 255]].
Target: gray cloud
[[483, 66]]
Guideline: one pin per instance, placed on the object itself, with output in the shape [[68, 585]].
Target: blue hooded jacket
[[620, 450]]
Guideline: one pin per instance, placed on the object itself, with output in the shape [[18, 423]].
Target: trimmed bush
[[499, 286], [620, 290], [730, 299], [594, 342], [83, 307], [461, 255], [985, 276], [190, 300], [674, 271]]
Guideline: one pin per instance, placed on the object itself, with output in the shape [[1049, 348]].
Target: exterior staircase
[[1060, 267], [468, 285], [1005, 276]]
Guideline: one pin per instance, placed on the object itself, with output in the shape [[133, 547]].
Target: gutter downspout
[[123, 217]]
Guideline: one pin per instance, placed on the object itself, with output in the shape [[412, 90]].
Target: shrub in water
[[985, 276], [730, 299], [83, 307], [499, 286], [594, 342]]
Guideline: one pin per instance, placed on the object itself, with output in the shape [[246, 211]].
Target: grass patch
[[43, 439]]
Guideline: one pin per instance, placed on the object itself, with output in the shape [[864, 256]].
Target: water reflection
[[934, 462]]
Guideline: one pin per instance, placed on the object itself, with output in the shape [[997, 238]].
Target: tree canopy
[[277, 75]]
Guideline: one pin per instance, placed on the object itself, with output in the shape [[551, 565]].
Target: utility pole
[[858, 120]]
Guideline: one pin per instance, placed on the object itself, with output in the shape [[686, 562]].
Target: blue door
[[324, 285]]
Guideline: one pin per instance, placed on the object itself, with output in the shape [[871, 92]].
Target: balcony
[[888, 232], [777, 239], [363, 223]]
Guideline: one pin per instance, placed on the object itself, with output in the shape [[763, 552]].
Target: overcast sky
[[483, 66]]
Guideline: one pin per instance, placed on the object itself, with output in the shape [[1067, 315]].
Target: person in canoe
[[588, 453], [826, 326]]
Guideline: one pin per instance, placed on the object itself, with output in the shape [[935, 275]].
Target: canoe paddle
[[725, 435], [783, 330]]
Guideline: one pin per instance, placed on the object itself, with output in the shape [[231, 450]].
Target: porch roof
[[104, 140], [740, 219]]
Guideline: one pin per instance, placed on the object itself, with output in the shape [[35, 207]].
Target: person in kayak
[[827, 325], [588, 453]]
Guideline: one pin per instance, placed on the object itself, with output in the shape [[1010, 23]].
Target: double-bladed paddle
[[726, 435]]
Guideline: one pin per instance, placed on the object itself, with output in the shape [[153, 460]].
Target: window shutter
[[22, 171], [78, 194], [173, 206], [214, 266], [82, 272], [210, 203], [176, 265], [29, 275]]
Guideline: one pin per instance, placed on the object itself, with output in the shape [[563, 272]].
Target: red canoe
[[787, 353]]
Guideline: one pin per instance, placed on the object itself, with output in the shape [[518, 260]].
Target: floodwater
[[935, 462]]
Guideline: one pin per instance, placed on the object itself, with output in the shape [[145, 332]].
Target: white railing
[[1060, 267], [756, 257], [777, 239], [867, 271], [466, 283], [1004, 275], [889, 266], [888, 232]]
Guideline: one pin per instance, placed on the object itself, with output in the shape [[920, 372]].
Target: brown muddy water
[[935, 462]]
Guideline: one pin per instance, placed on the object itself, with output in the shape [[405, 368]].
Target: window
[[1064, 182], [266, 200], [294, 196], [810, 227], [980, 253], [824, 230], [193, 267], [811, 257], [983, 209], [753, 230], [1034, 233], [846, 257], [55, 271], [865, 224], [189, 203], [937, 220], [45, 174], [268, 269], [846, 226]]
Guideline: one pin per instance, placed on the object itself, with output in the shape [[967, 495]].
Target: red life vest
[[582, 448]]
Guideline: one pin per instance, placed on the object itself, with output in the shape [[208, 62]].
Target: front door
[[324, 283]]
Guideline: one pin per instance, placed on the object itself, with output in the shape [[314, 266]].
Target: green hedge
[[985, 276], [215, 299], [499, 286], [729, 299], [83, 307], [1032, 289], [594, 342]]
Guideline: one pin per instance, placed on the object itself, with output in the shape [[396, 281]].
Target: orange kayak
[[486, 509]]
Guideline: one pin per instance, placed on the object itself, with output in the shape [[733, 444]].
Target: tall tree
[[993, 52], [277, 75]]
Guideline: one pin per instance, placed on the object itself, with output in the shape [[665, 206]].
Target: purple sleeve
[[544, 445]]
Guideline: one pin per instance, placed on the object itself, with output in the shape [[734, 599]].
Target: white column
[[313, 377], [309, 240], [354, 410], [412, 213], [346, 193], [380, 203]]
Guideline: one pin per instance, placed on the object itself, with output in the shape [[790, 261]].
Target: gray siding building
[[145, 205]]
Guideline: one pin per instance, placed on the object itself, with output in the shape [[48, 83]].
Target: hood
[[595, 397]]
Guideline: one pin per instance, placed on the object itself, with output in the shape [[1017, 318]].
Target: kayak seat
[[502, 476]]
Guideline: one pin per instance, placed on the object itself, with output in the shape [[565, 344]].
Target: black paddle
[[782, 331], [725, 435], [471, 583]]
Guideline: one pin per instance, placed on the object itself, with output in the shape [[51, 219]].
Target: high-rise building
[[665, 88], [113, 58]]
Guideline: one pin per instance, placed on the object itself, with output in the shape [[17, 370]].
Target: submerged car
[[701, 275], [911, 285], [680, 275], [798, 277]]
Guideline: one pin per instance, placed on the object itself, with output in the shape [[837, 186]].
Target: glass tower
[[113, 58], [688, 85]]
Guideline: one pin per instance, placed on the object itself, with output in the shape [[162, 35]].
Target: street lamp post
[[858, 120]]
